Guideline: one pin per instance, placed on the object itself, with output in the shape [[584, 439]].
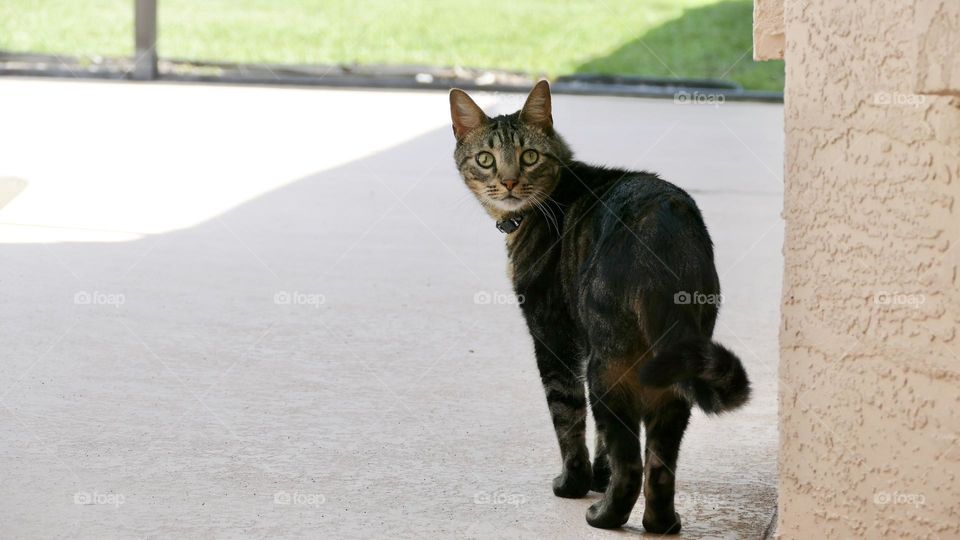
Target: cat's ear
[[536, 111], [466, 115]]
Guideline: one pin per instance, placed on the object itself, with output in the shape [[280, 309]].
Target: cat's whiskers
[[541, 199], [546, 212], [556, 202], [539, 209]]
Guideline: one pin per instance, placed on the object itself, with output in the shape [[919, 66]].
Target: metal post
[[145, 38]]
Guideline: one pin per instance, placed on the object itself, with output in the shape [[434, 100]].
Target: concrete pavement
[[260, 312]]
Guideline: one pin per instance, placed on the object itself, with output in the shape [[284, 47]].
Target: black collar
[[509, 225]]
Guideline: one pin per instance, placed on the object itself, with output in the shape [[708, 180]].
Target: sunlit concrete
[[99, 158], [262, 312]]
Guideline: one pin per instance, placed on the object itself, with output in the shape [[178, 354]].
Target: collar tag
[[507, 226]]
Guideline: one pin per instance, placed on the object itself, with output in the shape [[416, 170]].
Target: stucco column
[[870, 387]]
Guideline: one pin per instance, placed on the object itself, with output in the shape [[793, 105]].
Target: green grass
[[682, 38]]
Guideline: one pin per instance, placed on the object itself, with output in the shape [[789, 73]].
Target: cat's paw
[[572, 484], [663, 525], [601, 474], [602, 516]]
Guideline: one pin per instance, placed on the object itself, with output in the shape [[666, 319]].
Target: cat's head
[[510, 162]]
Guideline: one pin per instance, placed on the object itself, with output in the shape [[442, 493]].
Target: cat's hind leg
[[618, 424], [664, 426]]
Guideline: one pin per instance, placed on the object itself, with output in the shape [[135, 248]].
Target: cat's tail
[[703, 372]]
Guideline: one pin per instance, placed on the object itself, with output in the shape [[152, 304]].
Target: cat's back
[[633, 219], [616, 198]]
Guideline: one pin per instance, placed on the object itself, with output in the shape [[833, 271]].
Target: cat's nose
[[509, 184]]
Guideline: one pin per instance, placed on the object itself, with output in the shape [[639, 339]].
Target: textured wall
[[870, 390], [768, 29], [937, 23]]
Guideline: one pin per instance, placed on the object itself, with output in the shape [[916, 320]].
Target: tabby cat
[[617, 274]]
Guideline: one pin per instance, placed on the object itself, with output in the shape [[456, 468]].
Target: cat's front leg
[[568, 409], [601, 466]]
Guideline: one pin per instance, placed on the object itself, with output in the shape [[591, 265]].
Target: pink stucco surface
[[768, 30], [871, 298], [937, 24]]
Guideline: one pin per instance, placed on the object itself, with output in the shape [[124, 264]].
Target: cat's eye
[[529, 157], [485, 160]]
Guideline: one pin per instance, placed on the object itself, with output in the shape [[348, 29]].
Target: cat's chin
[[510, 205]]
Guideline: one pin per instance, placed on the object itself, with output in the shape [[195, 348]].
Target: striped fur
[[600, 258], [705, 373]]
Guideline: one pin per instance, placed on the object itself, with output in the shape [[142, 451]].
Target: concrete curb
[[382, 77]]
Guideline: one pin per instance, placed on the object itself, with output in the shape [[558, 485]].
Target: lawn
[[664, 38]]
